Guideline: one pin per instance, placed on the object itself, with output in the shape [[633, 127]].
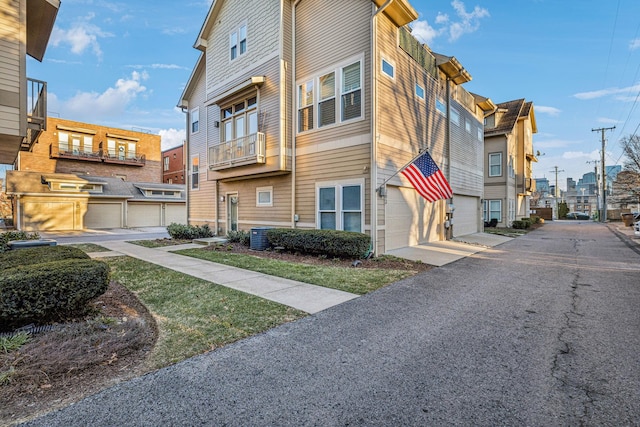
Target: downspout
[[374, 129], [293, 114], [187, 159], [447, 142]]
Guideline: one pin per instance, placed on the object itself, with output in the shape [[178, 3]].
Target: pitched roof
[[511, 111]]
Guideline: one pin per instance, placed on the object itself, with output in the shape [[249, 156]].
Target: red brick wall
[[39, 161], [175, 171]]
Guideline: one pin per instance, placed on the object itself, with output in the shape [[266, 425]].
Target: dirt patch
[[74, 360], [386, 261]]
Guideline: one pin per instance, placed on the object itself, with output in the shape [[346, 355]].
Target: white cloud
[[634, 44], [607, 121], [573, 155], [171, 137], [81, 36], [552, 111], [159, 66], [464, 23], [112, 102], [610, 91]]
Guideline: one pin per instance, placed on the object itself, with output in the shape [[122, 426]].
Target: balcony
[[247, 150], [76, 153], [36, 112]]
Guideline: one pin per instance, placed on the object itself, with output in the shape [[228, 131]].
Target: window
[[264, 196], [317, 98], [441, 107], [195, 166], [467, 125], [166, 163], [512, 210], [512, 170], [419, 91], [238, 42], [74, 143], [492, 209], [240, 119], [339, 206], [480, 134], [455, 116], [388, 68], [495, 164], [195, 120]]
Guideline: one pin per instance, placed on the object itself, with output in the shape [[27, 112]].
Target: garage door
[[48, 216], [103, 215], [408, 219], [144, 215], [175, 213], [466, 215]]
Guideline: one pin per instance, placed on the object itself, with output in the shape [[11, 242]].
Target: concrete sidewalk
[[302, 296]]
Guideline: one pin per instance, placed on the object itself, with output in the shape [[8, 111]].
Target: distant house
[[25, 28], [82, 175], [173, 165], [301, 115], [508, 147]]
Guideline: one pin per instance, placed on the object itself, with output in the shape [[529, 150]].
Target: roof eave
[[399, 11], [41, 16]]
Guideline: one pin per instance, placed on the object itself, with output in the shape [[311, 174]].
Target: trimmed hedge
[[333, 243], [8, 236], [40, 254], [188, 232], [50, 291], [522, 224], [241, 236]]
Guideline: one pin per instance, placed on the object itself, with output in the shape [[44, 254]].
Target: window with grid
[[238, 42], [495, 164], [239, 119], [195, 170], [340, 206]]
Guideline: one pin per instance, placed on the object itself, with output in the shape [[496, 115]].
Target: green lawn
[[355, 280], [90, 247], [194, 315]]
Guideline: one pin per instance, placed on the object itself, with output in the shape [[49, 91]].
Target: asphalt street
[[541, 331]]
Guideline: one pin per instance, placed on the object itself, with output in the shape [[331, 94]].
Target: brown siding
[[175, 173]]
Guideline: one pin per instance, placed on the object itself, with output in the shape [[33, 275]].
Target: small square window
[[419, 91], [388, 69], [264, 196]]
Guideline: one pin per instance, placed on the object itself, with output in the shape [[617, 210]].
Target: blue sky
[[125, 64]]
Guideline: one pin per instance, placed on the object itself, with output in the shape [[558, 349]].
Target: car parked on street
[[577, 215]]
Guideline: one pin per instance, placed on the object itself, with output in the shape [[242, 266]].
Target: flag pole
[[379, 189]]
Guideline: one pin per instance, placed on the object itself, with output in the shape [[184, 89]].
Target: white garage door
[[466, 215], [175, 213], [103, 215], [48, 216], [144, 215], [409, 219]]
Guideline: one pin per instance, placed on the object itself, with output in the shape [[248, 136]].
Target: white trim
[[191, 173], [333, 145], [264, 190], [191, 122], [255, 66], [415, 91], [389, 62], [338, 186], [267, 223], [491, 175]]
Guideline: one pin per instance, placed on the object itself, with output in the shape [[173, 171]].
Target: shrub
[[239, 236], [50, 291], [521, 224], [5, 238], [40, 254], [188, 232], [333, 243], [535, 219]]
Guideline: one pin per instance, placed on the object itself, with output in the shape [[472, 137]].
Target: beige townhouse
[[302, 113], [25, 28], [508, 136]]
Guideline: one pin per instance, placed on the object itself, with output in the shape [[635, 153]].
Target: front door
[[232, 212]]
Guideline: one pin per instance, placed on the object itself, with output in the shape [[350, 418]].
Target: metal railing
[[246, 150], [36, 112]]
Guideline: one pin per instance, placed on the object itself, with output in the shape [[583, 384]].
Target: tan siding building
[[305, 127]]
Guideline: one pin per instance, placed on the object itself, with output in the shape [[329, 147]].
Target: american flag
[[427, 178]]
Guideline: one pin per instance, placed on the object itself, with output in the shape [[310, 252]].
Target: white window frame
[[391, 64], [194, 172], [480, 134], [488, 209], [166, 163], [420, 92], [238, 42], [467, 125], [339, 203], [308, 96], [267, 190], [490, 159], [194, 121], [441, 107], [248, 114]]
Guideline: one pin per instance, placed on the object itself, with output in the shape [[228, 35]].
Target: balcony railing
[[247, 150], [76, 153], [36, 112]]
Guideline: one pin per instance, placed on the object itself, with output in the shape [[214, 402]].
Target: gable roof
[[511, 111]]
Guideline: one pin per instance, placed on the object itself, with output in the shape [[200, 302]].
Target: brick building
[[173, 165]]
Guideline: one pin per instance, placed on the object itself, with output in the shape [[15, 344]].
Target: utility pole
[[595, 170], [603, 218], [556, 191]]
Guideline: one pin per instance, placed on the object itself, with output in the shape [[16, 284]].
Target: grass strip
[[193, 315], [90, 247], [355, 280]]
